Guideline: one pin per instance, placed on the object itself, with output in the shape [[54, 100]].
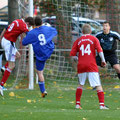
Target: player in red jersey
[[9, 37], [86, 47]]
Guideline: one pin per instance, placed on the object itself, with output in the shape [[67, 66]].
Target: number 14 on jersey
[[85, 50]]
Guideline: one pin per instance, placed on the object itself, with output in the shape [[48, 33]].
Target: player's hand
[[103, 64], [75, 58], [18, 55]]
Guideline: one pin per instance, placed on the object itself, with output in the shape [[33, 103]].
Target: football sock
[[42, 86], [100, 97], [5, 76], [78, 95], [6, 65], [118, 75]]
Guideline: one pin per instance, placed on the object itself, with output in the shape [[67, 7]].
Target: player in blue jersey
[[108, 41], [43, 46]]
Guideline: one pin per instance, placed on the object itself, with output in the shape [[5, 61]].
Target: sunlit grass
[[59, 104]]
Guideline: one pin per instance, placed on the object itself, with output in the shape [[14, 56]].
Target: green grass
[[58, 105]]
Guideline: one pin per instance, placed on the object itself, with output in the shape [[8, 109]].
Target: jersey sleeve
[[117, 36], [74, 49], [29, 39], [98, 46]]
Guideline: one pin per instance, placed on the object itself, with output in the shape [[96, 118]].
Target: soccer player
[[86, 47], [108, 41], [41, 40], [9, 37]]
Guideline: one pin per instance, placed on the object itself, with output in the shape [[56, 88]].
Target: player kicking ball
[[86, 47], [43, 46]]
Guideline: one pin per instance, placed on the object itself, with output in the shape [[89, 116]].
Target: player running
[[86, 47], [41, 40], [9, 37]]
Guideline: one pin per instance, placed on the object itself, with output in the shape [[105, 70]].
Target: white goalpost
[[31, 55]]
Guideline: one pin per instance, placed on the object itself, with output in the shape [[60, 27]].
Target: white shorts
[[10, 49], [93, 77]]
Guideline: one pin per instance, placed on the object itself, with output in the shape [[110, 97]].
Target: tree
[[96, 5], [12, 10]]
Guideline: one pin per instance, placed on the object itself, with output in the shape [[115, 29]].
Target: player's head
[[86, 29], [106, 27], [38, 21], [29, 21]]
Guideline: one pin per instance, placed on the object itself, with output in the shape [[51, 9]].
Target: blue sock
[[42, 86]]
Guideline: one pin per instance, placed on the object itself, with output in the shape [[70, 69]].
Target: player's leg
[[1, 61], [7, 72], [81, 78], [41, 81], [117, 69], [3, 68], [10, 53], [113, 60], [1, 55], [94, 81]]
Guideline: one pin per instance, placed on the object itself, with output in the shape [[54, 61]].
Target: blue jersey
[[108, 41], [41, 40]]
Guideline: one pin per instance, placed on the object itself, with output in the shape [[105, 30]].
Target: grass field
[[58, 105]]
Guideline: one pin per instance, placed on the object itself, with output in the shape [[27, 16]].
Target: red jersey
[[86, 46], [16, 28]]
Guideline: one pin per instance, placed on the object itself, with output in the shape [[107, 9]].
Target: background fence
[[64, 15]]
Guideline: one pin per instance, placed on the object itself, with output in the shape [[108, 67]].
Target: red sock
[[5, 76], [78, 95], [6, 65], [100, 97]]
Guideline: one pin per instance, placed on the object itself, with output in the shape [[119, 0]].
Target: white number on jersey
[[85, 50], [11, 27], [42, 39]]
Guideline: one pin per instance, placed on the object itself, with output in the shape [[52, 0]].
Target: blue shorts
[[40, 65]]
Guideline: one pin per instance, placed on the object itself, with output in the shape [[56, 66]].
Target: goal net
[[67, 16]]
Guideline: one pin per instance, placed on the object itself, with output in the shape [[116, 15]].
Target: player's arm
[[74, 51], [2, 34], [100, 51], [29, 39], [103, 63]]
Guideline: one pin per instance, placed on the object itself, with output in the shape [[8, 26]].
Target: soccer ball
[[46, 24]]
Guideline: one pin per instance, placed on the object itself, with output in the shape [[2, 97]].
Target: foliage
[[97, 4]]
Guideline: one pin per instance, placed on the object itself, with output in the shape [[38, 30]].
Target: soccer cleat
[[1, 90], [3, 70], [94, 88], [78, 107], [44, 94], [104, 107]]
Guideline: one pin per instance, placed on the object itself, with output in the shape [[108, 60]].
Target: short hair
[[86, 29], [38, 21], [106, 22], [30, 20]]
